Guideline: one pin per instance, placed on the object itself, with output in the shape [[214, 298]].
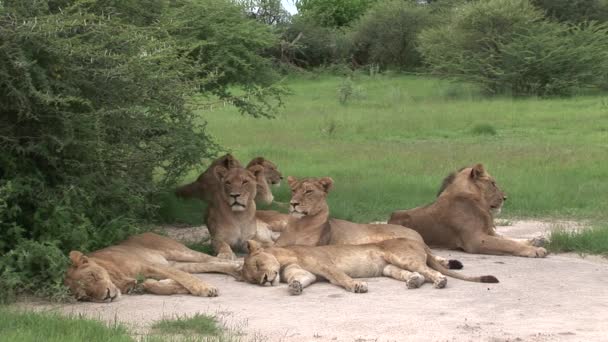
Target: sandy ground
[[560, 298]]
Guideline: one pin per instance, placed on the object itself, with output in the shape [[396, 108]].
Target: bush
[[574, 11], [387, 34], [95, 120], [508, 46]]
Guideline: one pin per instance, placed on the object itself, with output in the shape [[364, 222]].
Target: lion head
[[308, 195], [259, 266], [237, 186], [477, 180], [89, 281], [270, 176], [200, 188]]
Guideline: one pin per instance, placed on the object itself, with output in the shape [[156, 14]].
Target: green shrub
[[387, 34], [508, 46], [575, 11], [95, 123]]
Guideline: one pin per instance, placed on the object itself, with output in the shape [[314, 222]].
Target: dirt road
[[560, 298]]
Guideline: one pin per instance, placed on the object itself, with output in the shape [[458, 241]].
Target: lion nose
[[294, 204], [108, 295], [235, 194]]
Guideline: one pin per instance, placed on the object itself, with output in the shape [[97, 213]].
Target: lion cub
[[403, 259]]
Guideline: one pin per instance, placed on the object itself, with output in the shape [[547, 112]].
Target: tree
[[333, 13]]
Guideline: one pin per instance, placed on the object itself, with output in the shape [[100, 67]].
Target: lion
[[231, 214], [309, 223], [206, 184], [462, 217], [103, 275], [404, 259]]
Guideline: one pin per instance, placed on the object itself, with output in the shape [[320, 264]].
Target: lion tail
[[434, 264], [191, 190]]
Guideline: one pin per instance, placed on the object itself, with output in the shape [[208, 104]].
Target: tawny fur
[[462, 217], [104, 275]]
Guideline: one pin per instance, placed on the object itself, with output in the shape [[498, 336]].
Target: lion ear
[[327, 183], [477, 171], [256, 170], [292, 181], [78, 258], [230, 162], [253, 246], [220, 172]]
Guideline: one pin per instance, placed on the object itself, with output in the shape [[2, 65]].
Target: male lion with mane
[[462, 217], [408, 260], [103, 275]]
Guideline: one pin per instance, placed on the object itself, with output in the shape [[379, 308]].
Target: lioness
[[207, 184], [462, 216], [103, 275], [299, 266], [310, 225], [231, 214]]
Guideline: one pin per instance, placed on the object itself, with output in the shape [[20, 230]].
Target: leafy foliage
[[95, 120], [333, 13], [575, 10], [508, 46], [387, 34]]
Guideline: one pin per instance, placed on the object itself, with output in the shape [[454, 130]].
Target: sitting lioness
[[103, 275], [206, 184], [462, 216], [310, 225], [231, 214], [299, 266]]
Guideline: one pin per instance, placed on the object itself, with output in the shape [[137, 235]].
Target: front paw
[[539, 241], [359, 287], [204, 291], [440, 283], [535, 252], [295, 288]]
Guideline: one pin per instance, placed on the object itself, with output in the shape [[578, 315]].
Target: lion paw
[[414, 281], [440, 282], [535, 252], [295, 288], [360, 287], [204, 291]]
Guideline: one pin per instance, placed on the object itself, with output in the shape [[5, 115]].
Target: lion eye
[[245, 181], [308, 192], [227, 183]]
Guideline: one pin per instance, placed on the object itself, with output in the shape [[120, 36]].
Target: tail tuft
[[488, 279], [454, 264]]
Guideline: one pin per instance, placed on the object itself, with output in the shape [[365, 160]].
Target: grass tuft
[[484, 129], [591, 240], [23, 326], [198, 324]]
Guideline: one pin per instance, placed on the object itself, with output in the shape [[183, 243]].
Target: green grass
[[592, 241], [22, 326], [26, 326], [197, 325], [390, 147]]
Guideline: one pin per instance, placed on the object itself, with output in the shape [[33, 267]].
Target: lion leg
[[217, 266], [413, 280], [164, 287], [493, 245], [297, 278], [223, 250], [415, 261], [193, 284], [338, 277]]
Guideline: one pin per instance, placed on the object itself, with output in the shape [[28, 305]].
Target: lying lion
[[408, 260], [310, 225], [462, 217], [103, 275]]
